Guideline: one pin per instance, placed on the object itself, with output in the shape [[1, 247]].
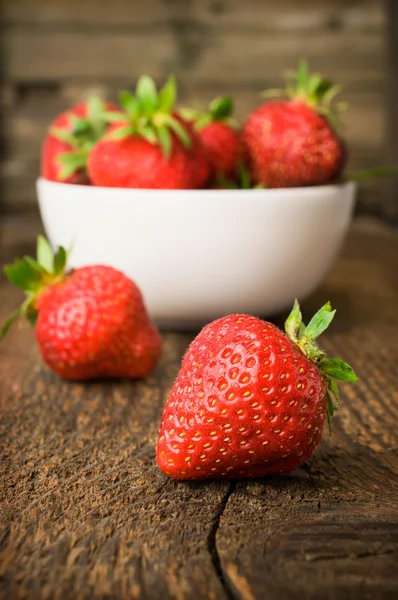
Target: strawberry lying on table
[[250, 400], [90, 322]]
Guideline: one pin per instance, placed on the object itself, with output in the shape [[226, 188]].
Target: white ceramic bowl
[[201, 254]]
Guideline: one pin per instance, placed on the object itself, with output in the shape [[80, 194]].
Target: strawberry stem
[[219, 110], [304, 336], [375, 173], [313, 90], [149, 114]]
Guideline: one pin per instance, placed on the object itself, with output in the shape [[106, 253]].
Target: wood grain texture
[[287, 16], [85, 513], [200, 55], [391, 205]]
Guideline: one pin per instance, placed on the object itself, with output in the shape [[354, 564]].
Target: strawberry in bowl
[[293, 142], [220, 136], [70, 138], [149, 145]]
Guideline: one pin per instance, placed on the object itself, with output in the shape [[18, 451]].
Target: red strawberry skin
[[290, 145], [246, 403], [52, 147], [223, 147], [133, 162], [94, 324]]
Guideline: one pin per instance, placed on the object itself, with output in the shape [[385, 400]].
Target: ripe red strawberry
[[249, 400], [220, 136], [90, 322], [292, 142], [69, 139], [149, 146]]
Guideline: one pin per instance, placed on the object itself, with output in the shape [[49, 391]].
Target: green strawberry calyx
[[243, 181], [33, 276], [304, 336], [218, 111], [313, 90], [149, 114], [81, 134]]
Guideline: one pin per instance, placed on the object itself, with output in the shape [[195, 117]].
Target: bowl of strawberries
[[206, 217]]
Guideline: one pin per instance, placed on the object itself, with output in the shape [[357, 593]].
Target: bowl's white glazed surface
[[201, 254]]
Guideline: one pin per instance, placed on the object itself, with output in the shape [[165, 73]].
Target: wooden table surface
[[85, 512]]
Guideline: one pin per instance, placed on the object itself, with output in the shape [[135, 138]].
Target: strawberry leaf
[[71, 162], [293, 322], [319, 322], [60, 259], [8, 322], [95, 110], [221, 108], [203, 120], [148, 133], [179, 130], [387, 171], [130, 105], [330, 410], [23, 276], [35, 266], [167, 95], [302, 78], [333, 389], [64, 135], [79, 126], [146, 93], [45, 255], [115, 117], [165, 140], [188, 113], [334, 367], [121, 133], [245, 180]]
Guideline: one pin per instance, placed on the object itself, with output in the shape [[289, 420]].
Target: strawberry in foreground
[[250, 400], [90, 322], [149, 145], [292, 142], [70, 138], [219, 135]]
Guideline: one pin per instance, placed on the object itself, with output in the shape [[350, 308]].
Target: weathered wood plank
[[85, 512], [56, 56], [334, 523], [391, 204], [287, 16], [102, 517], [201, 56]]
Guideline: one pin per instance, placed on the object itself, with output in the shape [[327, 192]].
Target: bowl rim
[[311, 189]]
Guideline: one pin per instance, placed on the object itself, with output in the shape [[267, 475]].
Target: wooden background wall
[[58, 50]]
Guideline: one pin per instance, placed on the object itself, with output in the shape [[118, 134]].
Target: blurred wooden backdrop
[[56, 51]]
